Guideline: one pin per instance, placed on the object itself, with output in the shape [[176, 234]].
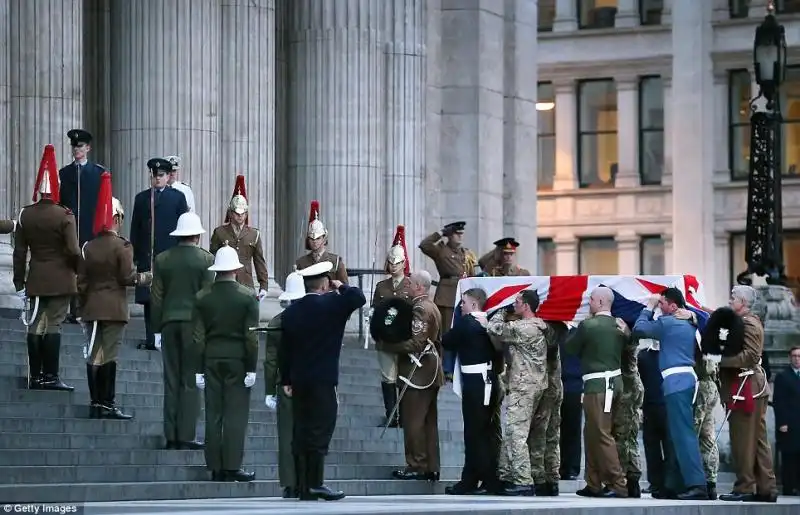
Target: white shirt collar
[[604, 313], [81, 163]]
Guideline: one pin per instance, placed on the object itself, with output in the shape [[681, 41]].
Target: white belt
[[482, 369], [608, 376], [683, 369]]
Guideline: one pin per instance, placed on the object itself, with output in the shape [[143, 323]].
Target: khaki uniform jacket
[[6, 226], [451, 263], [105, 271], [385, 289], [339, 271], [251, 253], [425, 326], [493, 268], [731, 366], [48, 230]]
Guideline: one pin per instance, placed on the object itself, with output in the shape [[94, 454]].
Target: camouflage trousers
[[627, 417], [545, 436], [705, 425], [515, 459]]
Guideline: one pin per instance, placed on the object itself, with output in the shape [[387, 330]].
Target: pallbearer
[[317, 246], [47, 230], [245, 240], [106, 271]]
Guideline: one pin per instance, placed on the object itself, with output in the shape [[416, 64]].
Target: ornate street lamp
[[764, 233]]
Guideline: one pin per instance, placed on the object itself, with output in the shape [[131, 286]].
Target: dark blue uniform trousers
[[682, 436]]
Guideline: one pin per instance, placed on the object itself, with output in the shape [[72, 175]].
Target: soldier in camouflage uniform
[[526, 379], [704, 423], [627, 418], [545, 435]]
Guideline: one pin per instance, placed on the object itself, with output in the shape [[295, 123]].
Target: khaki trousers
[[602, 459], [50, 315], [387, 362], [106, 341], [752, 456]]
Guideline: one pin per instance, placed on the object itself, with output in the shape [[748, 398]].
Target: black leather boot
[[34, 361], [51, 355], [108, 408], [711, 487], [634, 489], [315, 475], [389, 400], [92, 373]]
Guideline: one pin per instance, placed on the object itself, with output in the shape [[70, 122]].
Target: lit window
[[547, 15], [597, 133], [598, 256], [546, 109], [597, 14], [739, 88]]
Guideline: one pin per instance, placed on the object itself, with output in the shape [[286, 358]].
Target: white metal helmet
[[226, 260], [238, 205], [116, 207], [189, 224], [396, 255], [316, 229], [295, 287]]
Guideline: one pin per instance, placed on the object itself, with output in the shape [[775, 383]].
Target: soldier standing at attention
[[499, 262], [453, 262], [173, 182], [276, 398], [525, 339], [245, 240], [224, 319], [317, 246], [178, 275], [308, 358], [397, 285], [105, 272], [545, 435], [418, 409], [599, 342], [155, 214], [47, 230], [627, 418]]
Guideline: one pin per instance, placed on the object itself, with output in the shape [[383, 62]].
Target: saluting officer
[[245, 240], [104, 274], [453, 262], [317, 246], [225, 317], [276, 397], [499, 262], [47, 230], [179, 273]]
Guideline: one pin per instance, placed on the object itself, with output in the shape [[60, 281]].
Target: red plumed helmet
[[398, 252], [238, 204], [314, 212], [104, 212], [47, 182]]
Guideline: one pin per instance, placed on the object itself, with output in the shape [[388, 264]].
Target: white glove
[[250, 379], [271, 402], [200, 381], [15, 224], [22, 294], [369, 314], [157, 341], [261, 295]]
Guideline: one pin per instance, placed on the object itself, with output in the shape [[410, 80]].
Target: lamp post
[[764, 233]]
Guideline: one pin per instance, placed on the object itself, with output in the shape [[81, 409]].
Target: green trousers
[[181, 397], [227, 413], [286, 472]]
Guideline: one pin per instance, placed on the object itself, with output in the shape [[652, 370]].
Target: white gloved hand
[[250, 379], [271, 402], [15, 224], [262, 294], [157, 341], [86, 351], [22, 294], [200, 381]]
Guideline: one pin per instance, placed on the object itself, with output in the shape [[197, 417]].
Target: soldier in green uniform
[[179, 273], [224, 318], [276, 398]]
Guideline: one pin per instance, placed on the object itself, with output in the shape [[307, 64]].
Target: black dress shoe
[[239, 476], [324, 493], [738, 497], [569, 477], [409, 475], [217, 475], [461, 488], [694, 493], [35, 383], [53, 382], [663, 494], [550, 490], [634, 489], [111, 411], [432, 476], [588, 492], [191, 446], [513, 490], [171, 445], [611, 494], [648, 490], [290, 492]]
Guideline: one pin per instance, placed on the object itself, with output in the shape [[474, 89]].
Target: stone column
[[627, 14], [7, 195], [433, 120], [566, 176], [97, 81], [566, 19], [406, 92], [628, 259], [336, 123], [627, 131], [692, 157], [165, 80], [520, 127], [285, 248], [666, 13], [566, 255], [473, 118]]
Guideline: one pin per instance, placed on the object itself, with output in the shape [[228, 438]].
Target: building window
[[787, 6], [546, 109], [596, 14], [739, 8], [546, 261], [650, 11], [597, 256], [651, 256], [547, 15], [791, 257], [739, 89], [597, 133], [651, 129], [790, 105]]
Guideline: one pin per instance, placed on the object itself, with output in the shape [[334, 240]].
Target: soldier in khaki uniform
[[397, 285], [224, 359], [418, 410], [47, 230], [105, 272], [500, 261], [179, 273], [245, 240], [7, 226], [316, 244], [453, 262]]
